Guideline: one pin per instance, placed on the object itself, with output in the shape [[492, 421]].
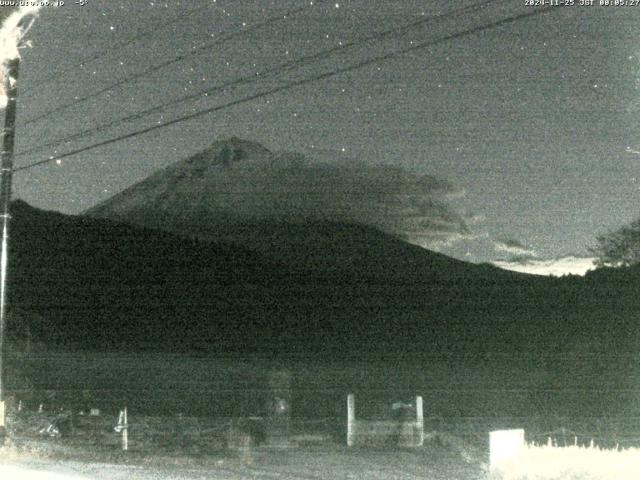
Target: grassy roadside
[[444, 456]]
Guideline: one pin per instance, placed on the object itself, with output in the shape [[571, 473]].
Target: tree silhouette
[[619, 248]]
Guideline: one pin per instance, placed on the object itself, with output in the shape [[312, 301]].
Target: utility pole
[[15, 22], [11, 68]]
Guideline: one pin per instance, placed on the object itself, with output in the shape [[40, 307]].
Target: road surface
[[288, 465]]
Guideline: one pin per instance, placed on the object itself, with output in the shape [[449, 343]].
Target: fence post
[[125, 432], [504, 444], [420, 420], [351, 418], [278, 421], [123, 427]]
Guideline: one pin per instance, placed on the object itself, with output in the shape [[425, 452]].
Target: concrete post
[[122, 428], [504, 444], [125, 431], [351, 419], [420, 420]]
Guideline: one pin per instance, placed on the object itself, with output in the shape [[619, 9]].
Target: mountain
[[347, 284], [198, 193], [97, 284], [285, 206]]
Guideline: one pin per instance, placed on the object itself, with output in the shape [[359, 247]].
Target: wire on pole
[[258, 76], [290, 85], [160, 66]]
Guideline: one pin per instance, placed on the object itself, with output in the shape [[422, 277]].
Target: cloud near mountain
[[513, 247], [557, 267], [296, 188], [236, 179], [525, 259]]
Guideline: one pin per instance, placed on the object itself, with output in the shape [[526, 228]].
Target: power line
[[130, 40], [167, 63], [294, 84], [290, 85], [260, 75]]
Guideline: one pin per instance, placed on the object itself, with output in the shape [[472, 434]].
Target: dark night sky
[[536, 121]]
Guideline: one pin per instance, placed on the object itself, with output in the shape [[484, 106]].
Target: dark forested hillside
[[101, 285]]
